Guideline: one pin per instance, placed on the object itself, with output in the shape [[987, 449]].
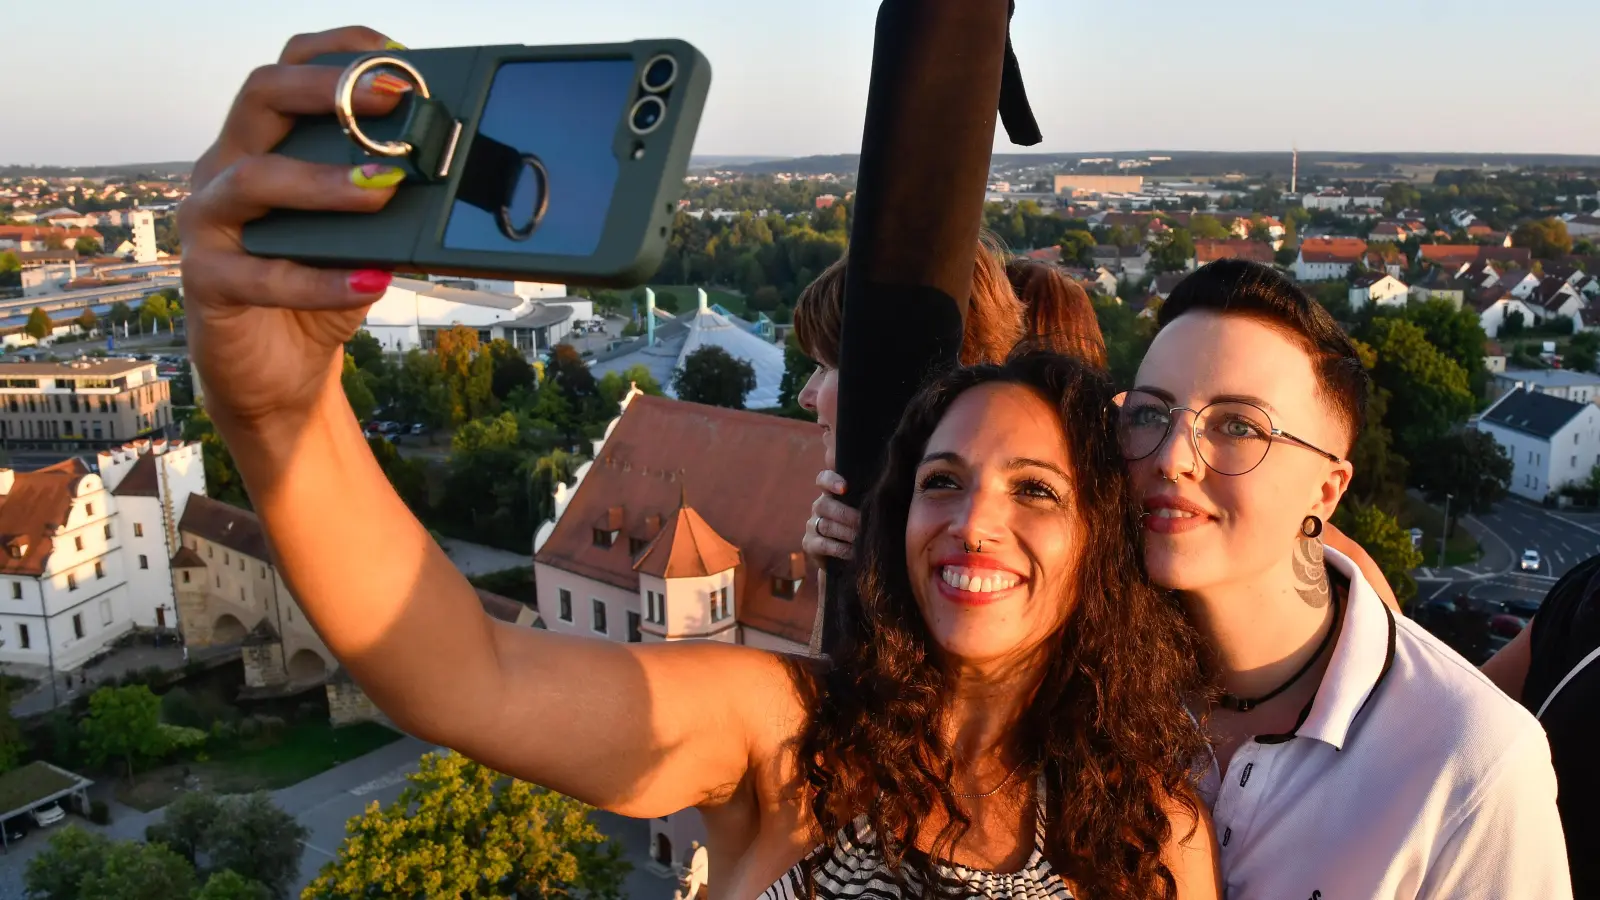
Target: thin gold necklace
[[995, 790]]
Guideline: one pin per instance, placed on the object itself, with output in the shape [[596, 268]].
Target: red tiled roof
[[503, 608], [1333, 250], [687, 548], [36, 233], [187, 559], [36, 506], [751, 478], [1457, 254], [141, 480], [1211, 251]]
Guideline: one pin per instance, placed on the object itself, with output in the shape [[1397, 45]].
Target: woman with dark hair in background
[[1355, 754], [1057, 312], [1037, 743]]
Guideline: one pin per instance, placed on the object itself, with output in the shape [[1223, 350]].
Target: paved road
[[1562, 540]]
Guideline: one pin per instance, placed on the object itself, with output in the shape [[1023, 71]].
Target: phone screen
[[566, 114]]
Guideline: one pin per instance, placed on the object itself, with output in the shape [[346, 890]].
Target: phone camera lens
[[647, 115], [659, 74]]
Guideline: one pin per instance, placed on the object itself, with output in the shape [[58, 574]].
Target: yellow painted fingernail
[[375, 176], [394, 45]]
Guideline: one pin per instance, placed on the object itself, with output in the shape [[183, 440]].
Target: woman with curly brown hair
[[1041, 678]]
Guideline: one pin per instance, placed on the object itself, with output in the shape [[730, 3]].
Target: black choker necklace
[[1245, 704]]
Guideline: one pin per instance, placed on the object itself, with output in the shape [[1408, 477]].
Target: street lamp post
[[1444, 530]]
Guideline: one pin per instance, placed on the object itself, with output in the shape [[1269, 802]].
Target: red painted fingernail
[[370, 281]]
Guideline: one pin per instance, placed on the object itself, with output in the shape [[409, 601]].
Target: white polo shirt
[[1410, 776]]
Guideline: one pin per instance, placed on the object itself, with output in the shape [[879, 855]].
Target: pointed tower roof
[[687, 547]]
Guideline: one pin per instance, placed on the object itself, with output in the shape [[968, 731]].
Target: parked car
[[49, 815], [1530, 561], [16, 828], [418, 429]]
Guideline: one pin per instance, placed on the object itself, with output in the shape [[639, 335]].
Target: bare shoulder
[[1191, 851]]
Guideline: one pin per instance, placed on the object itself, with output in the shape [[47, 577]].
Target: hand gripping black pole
[[936, 85]]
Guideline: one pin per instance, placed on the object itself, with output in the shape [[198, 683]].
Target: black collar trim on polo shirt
[[1388, 663], [1343, 587]]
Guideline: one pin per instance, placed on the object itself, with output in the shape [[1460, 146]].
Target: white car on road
[[49, 815], [1530, 561]]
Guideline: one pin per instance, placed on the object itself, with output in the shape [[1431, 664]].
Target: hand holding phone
[[558, 164]]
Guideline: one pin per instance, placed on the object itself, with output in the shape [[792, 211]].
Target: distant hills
[[156, 168]]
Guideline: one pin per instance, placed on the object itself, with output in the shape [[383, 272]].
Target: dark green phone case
[[408, 234]]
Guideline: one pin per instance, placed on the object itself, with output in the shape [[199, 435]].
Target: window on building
[[77, 625], [225, 560], [786, 588], [77, 542], [16, 590], [72, 403], [107, 531], [211, 553], [99, 569], [263, 571], [72, 582], [241, 564], [1574, 462], [241, 595], [138, 529], [89, 508], [105, 612], [603, 538], [719, 604], [566, 605], [22, 636], [144, 562], [636, 546], [599, 616], [655, 611], [186, 576], [217, 579]]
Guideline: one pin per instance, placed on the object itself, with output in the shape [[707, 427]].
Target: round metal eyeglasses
[[1231, 437]]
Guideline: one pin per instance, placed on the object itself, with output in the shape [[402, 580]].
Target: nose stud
[[977, 549]]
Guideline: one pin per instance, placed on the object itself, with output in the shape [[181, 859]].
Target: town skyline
[[1270, 77]]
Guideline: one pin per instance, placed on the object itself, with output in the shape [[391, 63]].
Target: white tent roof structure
[[689, 332]]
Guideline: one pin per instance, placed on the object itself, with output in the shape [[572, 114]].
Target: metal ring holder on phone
[[430, 133], [541, 203]]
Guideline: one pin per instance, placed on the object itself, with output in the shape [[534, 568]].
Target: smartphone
[[559, 164]]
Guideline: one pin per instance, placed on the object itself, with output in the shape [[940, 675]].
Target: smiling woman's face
[[994, 478]]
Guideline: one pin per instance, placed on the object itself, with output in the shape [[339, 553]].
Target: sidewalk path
[[478, 559]]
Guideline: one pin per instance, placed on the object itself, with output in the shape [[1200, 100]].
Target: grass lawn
[[1461, 549], [298, 753], [686, 299]]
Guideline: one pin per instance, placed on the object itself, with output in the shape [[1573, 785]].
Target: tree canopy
[[460, 829], [39, 325], [712, 376], [1469, 465], [1429, 392], [246, 835], [1546, 238], [124, 723], [1385, 541]]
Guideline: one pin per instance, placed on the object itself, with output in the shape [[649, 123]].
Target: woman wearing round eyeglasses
[[1355, 755]]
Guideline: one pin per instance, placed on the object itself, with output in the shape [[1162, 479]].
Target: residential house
[[1439, 285], [1378, 288], [1166, 283], [1385, 258], [1326, 199], [1554, 297], [1587, 225], [1211, 251], [1494, 304], [1569, 272], [1101, 280], [1494, 357], [29, 238], [1328, 259], [1552, 441], [1388, 231], [1568, 384], [1447, 255], [1462, 218], [1519, 283], [151, 482], [686, 525]]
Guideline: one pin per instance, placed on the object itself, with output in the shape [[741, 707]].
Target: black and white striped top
[[855, 869]]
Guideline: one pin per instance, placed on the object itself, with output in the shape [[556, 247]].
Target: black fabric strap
[[1015, 111], [490, 174]]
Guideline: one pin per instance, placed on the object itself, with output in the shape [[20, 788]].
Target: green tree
[[357, 389], [454, 353], [797, 369], [134, 871], [1385, 541], [120, 314], [1458, 333], [568, 369], [366, 349], [86, 246], [408, 477], [460, 829], [712, 376], [420, 391], [765, 299], [123, 723], [1207, 228], [57, 872], [556, 467], [1380, 472], [230, 885], [1513, 323], [12, 744], [9, 262], [155, 312], [510, 370], [1469, 465], [1127, 338], [39, 325], [1172, 252], [1583, 352], [247, 835], [1546, 238], [615, 385], [1077, 247], [223, 481], [1429, 392]]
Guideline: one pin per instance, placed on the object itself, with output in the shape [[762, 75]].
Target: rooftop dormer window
[[603, 538]]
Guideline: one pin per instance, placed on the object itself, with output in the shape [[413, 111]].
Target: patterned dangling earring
[[1311, 528]]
